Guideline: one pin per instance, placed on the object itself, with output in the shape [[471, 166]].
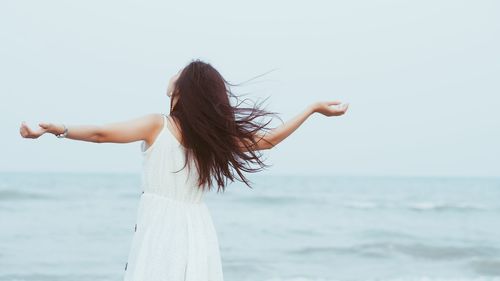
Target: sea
[[79, 227]]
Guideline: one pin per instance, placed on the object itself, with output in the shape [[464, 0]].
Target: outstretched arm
[[275, 136], [140, 128]]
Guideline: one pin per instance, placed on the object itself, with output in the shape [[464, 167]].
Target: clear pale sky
[[422, 78]]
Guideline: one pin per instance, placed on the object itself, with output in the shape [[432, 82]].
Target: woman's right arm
[[277, 135], [140, 128]]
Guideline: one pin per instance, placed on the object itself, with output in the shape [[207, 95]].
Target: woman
[[205, 141]]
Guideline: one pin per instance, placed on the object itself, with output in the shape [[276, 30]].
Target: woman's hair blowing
[[213, 130]]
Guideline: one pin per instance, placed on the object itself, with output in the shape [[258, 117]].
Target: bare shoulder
[[156, 119], [154, 124]]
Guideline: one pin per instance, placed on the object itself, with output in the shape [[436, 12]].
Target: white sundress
[[174, 237]]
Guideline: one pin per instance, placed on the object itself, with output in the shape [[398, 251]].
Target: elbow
[[268, 144], [98, 137]]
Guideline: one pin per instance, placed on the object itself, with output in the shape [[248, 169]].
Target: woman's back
[[163, 172], [174, 238]]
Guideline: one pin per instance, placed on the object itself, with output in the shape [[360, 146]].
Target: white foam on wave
[[421, 206], [421, 278], [443, 205], [362, 205]]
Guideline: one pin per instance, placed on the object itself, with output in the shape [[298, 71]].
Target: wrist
[[61, 131], [312, 108]]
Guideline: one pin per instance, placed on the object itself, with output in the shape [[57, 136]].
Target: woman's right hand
[[330, 108], [27, 132]]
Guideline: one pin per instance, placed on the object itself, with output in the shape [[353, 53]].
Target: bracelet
[[64, 134]]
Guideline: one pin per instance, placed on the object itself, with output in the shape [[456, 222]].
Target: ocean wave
[[415, 250], [272, 200], [417, 278], [54, 277], [486, 266], [419, 206], [423, 206], [10, 195]]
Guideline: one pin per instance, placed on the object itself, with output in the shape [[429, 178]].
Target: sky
[[422, 79]]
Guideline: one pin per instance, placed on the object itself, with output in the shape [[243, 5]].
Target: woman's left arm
[[140, 128]]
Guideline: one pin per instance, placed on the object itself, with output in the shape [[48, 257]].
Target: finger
[[21, 131], [25, 133], [335, 102], [25, 128], [44, 125]]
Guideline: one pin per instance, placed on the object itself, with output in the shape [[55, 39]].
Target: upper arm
[[141, 128], [263, 142]]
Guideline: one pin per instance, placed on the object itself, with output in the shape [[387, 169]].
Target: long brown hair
[[213, 130]]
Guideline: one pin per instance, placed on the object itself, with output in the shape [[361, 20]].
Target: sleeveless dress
[[174, 237]]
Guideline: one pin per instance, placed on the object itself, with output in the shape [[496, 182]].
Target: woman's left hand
[[330, 108], [27, 132]]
